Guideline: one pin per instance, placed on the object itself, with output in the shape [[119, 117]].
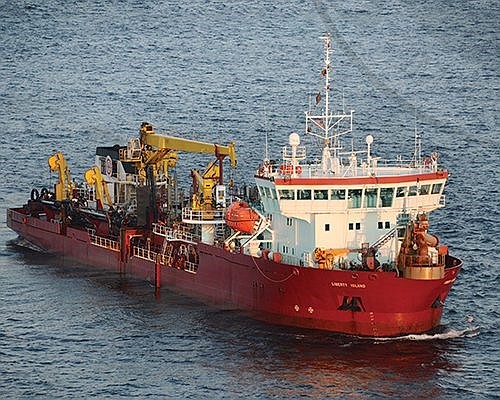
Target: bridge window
[[412, 191], [436, 188], [386, 195], [321, 194], [371, 198], [286, 194], [354, 197], [337, 194], [424, 189], [401, 191], [268, 192], [304, 194]]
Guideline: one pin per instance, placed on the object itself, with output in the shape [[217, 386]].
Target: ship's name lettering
[[352, 285]]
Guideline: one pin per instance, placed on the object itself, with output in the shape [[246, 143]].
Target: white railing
[[104, 242], [145, 254], [211, 216], [191, 267], [173, 234]]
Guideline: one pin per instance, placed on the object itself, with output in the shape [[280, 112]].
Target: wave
[[449, 334]]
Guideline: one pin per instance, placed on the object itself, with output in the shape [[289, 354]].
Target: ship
[[324, 238]]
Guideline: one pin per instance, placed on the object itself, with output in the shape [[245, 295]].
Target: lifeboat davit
[[242, 218]]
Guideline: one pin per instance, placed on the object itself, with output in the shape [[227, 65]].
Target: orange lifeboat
[[240, 217]]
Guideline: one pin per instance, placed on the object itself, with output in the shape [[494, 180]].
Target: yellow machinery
[[94, 178], [149, 138], [203, 185], [159, 151], [64, 188]]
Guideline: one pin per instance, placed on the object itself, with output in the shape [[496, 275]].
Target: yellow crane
[[64, 187], [159, 151], [94, 178]]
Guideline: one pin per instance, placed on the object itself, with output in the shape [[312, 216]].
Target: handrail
[[144, 253], [104, 242], [173, 234], [215, 216]]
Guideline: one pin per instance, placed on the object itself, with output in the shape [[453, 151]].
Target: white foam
[[450, 334]]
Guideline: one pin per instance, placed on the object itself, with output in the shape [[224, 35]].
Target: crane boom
[[63, 188], [157, 141], [94, 178], [192, 146]]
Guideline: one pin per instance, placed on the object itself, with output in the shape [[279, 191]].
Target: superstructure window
[[436, 188], [304, 194], [371, 198], [268, 192], [412, 191], [286, 194], [401, 191], [386, 196], [337, 194], [351, 226], [424, 189], [327, 227], [321, 194], [354, 198]]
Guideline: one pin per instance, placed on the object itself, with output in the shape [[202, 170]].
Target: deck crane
[[64, 187], [159, 152], [94, 178]]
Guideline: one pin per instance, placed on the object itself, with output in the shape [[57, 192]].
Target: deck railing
[[104, 242], [144, 253], [174, 234]]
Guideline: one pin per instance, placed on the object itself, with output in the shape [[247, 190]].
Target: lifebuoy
[[298, 169]]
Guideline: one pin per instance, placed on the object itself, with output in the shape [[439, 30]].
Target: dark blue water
[[77, 74]]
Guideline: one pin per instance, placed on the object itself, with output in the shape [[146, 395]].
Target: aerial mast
[[326, 74]]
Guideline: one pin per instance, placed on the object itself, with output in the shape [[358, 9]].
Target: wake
[[450, 334]]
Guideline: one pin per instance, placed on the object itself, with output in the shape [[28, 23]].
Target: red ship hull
[[375, 304]]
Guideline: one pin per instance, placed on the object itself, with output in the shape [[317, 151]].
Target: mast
[[329, 126], [327, 88]]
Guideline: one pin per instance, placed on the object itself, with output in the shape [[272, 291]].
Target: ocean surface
[[77, 74]]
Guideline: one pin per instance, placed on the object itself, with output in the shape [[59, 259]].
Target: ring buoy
[[35, 195], [298, 169]]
